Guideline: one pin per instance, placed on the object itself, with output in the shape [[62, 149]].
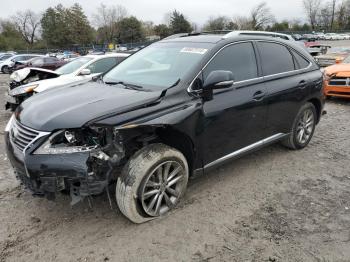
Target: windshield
[[74, 65], [347, 60], [159, 65]]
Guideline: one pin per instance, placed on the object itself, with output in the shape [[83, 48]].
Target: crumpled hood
[[343, 69], [72, 107], [22, 74]]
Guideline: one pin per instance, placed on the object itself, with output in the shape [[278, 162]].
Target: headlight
[[67, 142], [9, 123], [22, 90]]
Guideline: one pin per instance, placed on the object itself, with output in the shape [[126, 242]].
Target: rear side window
[[238, 58], [38, 62], [103, 65], [275, 58], [50, 60], [301, 62]]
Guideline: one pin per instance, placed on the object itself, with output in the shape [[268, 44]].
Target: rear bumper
[[46, 175]]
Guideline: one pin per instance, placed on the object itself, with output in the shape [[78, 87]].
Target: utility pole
[[333, 13]]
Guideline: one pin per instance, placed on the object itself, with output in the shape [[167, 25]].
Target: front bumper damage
[[81, 174]]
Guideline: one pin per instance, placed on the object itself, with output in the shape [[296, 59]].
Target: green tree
[[280, 27], [130, 30], [10, 37], [63, 27], [179, 24], [80, 31], [162, 30]]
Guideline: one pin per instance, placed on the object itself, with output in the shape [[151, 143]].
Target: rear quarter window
[[275, 58], [301, 62]]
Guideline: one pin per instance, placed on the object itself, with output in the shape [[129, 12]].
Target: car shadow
[[100, 206]]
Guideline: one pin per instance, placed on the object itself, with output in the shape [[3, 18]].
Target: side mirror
[[219, 79], [85, 72]]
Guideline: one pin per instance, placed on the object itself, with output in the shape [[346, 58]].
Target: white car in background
[[5, 65], [28, 81], [331, 36]]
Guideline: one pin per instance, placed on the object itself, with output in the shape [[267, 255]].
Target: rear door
[[235, 118], [286, 85]]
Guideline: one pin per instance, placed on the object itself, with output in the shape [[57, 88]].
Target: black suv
[[174, 109]]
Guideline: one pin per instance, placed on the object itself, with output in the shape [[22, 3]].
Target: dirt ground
[[273, 205]]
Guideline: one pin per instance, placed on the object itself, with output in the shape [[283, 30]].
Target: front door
[[235, 117]]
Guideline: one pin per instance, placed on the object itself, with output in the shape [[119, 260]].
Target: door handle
[[302, 84], [259, 95]]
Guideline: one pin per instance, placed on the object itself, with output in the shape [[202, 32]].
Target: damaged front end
[[82, 161], [23, 84]]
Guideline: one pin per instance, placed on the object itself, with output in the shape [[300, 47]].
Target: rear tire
[[303, 128], [152, 183]]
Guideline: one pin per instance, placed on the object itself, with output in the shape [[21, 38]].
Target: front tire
[[5, 70], [152, 183], [303, 128]]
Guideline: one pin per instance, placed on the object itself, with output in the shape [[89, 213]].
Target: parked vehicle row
[[176, 108], [45, 62], [7, 64], [335, 55], [322, 36], [28, 81]]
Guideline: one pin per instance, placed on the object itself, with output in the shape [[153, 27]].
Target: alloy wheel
[[162, 188], [305, 127]]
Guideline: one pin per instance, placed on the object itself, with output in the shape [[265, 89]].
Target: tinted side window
[[5, 57], [38, 62], [238, 58], [301, 62], [275, 58], [102, 65], [19, 58], [50, 60]]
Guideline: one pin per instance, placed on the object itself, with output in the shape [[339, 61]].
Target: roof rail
[[181, 35], [251, 32], [219, 32]]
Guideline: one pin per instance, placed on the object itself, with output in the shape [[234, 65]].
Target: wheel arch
[[140, 136], [180, 141], [318, 106]]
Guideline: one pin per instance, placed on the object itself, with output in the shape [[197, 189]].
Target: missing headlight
[[72, 141]]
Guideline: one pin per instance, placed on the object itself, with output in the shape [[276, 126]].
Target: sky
[[197, 11]]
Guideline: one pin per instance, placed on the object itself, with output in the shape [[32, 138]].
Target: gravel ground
[[273, 205]]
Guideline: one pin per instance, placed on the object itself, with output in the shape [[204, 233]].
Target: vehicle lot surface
[[273, 205]]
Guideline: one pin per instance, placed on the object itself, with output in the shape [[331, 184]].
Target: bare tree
[[242, 23], [260, 16], [312, 8], [167, 18], [28, 24], [106, 19], [325, 17], [343, 14], [217, 23]]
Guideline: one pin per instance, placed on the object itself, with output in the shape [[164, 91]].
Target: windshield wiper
[[126, 85]]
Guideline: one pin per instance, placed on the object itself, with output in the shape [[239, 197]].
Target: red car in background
[[46, 62]]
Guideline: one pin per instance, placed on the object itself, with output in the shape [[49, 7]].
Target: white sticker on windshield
[[194, 50]]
